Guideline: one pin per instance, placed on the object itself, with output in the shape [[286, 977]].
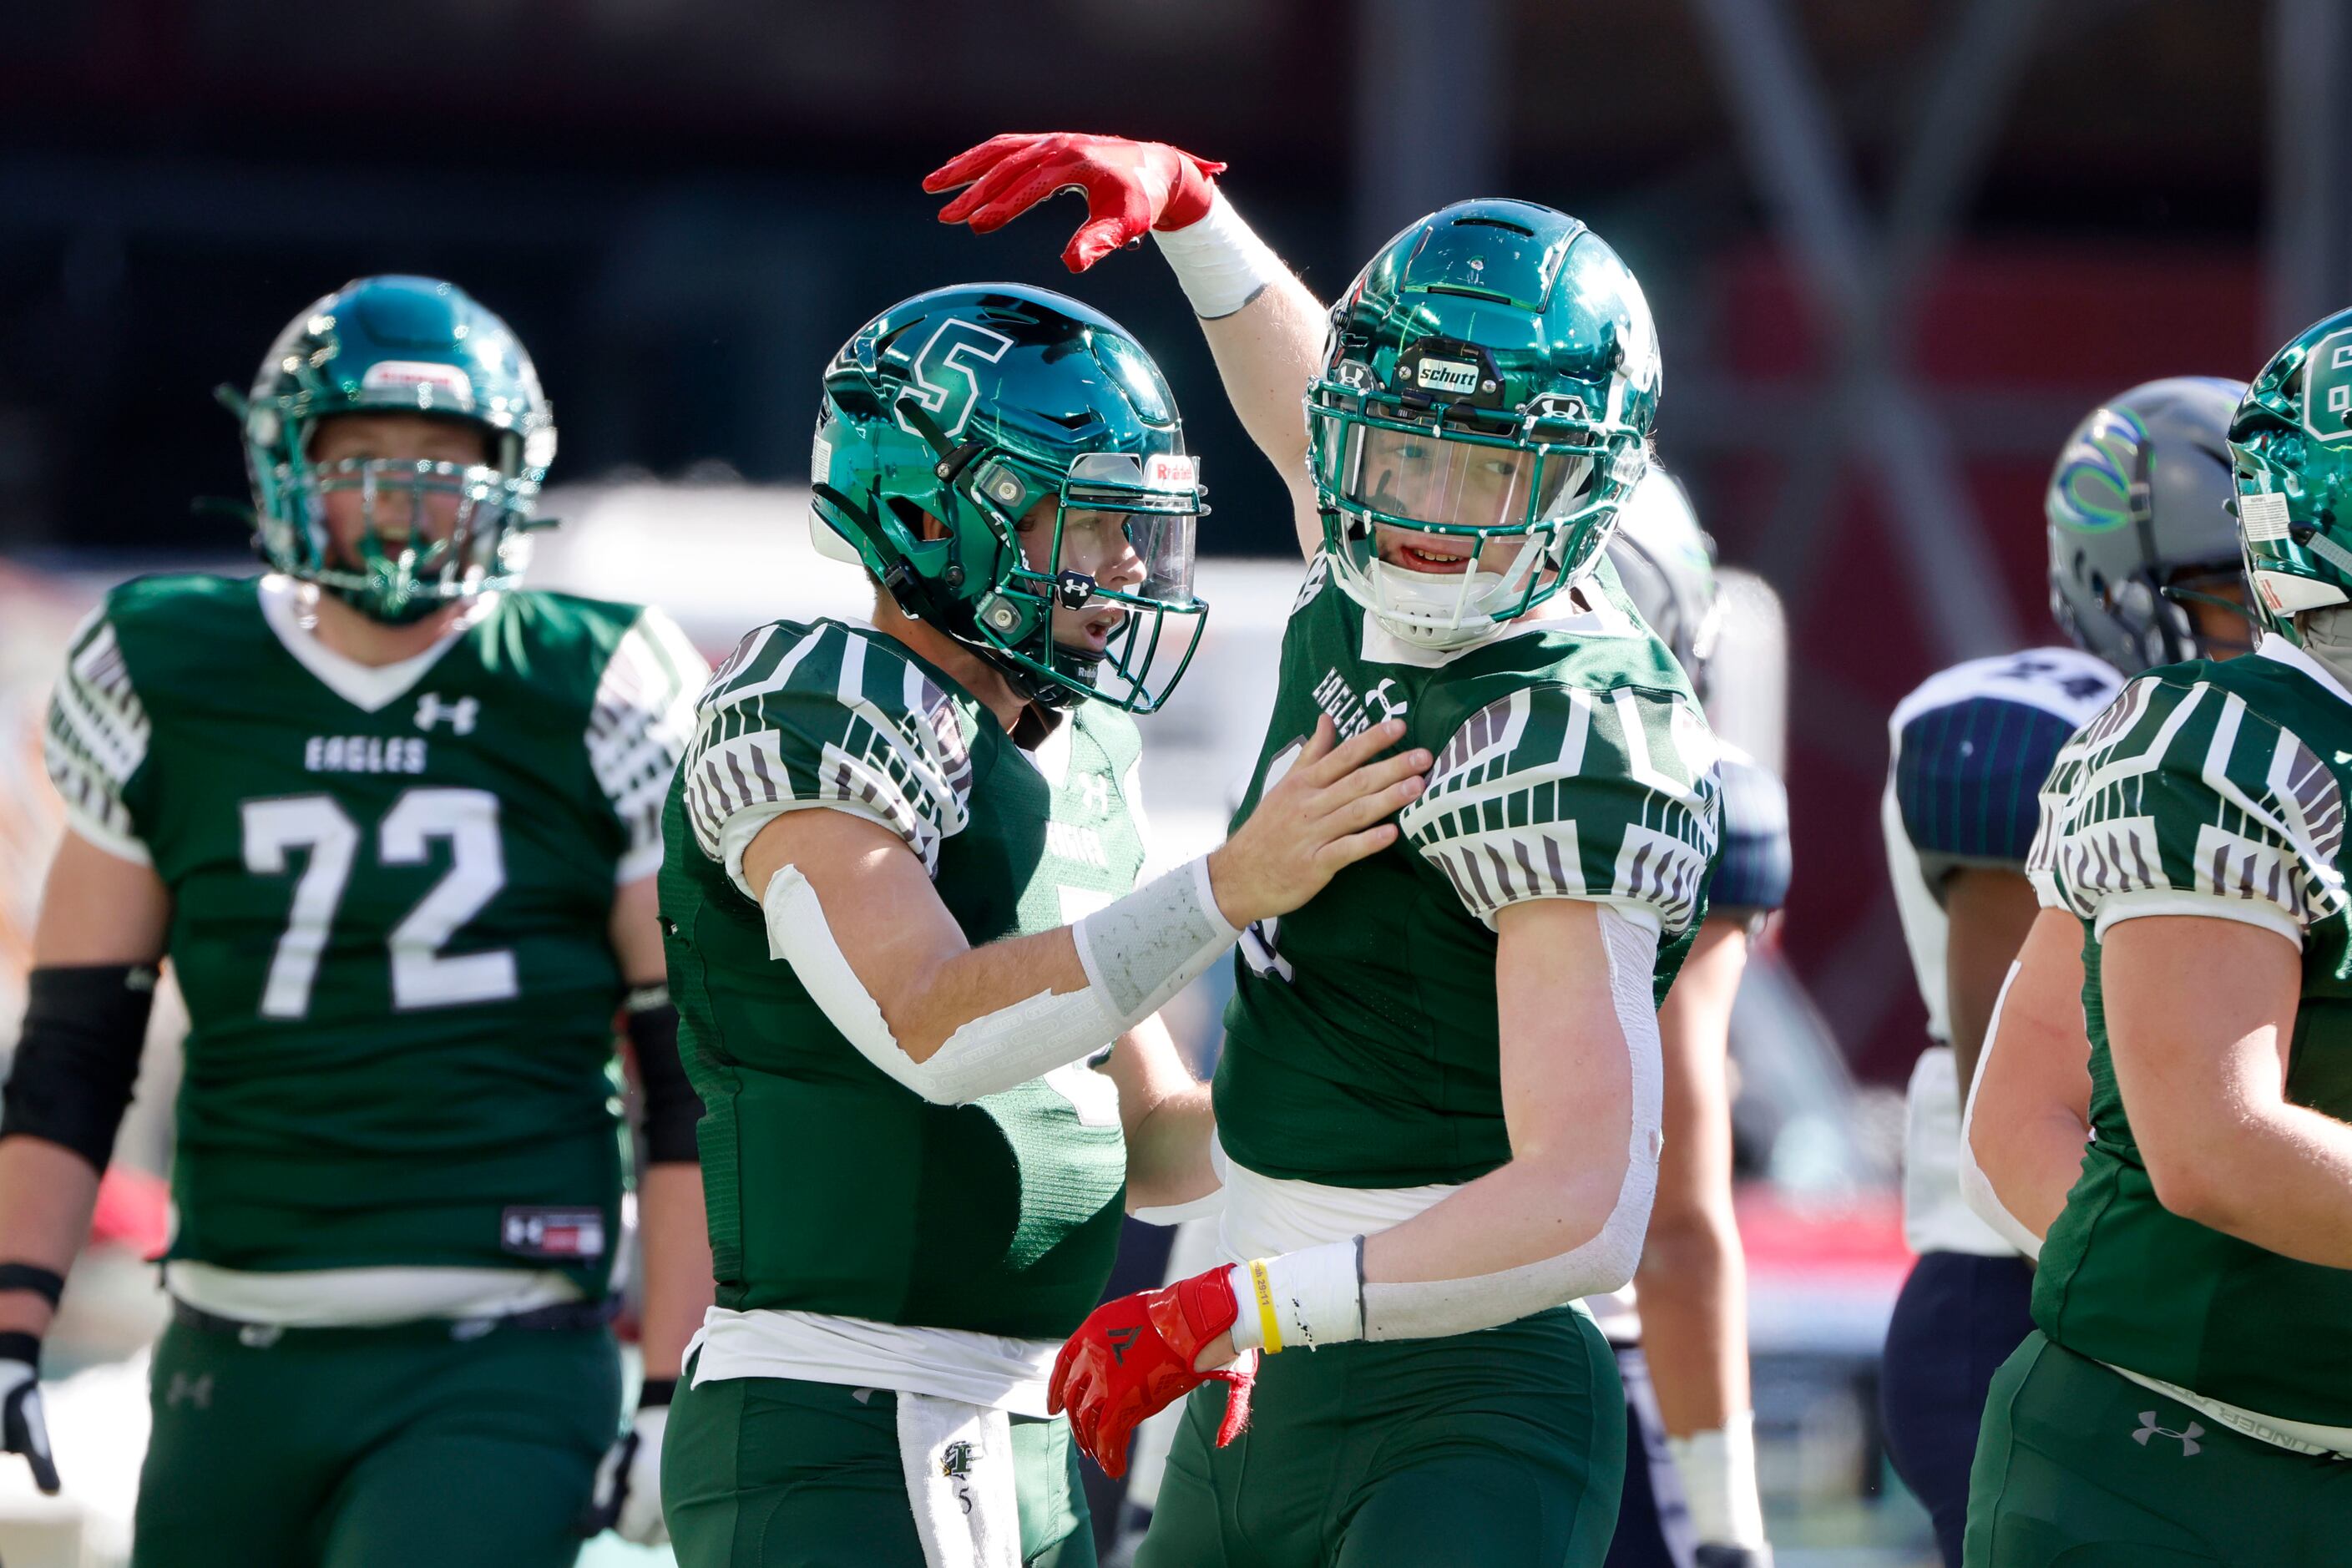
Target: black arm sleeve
[[672, 1108], [79, 1056]]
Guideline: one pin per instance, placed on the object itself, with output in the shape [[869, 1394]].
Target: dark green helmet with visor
[[432, 533], [2292, 442], [959, 422], [1489, 386]]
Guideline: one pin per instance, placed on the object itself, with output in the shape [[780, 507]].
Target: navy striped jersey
[[1752, 874], [1970, 750]]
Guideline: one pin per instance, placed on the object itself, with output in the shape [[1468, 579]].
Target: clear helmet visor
[[1411, 476], [1124, 617]]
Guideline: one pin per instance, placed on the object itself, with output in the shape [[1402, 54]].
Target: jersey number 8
[[420, 975]]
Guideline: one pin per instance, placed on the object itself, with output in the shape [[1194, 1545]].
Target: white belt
[[2301, 1437]]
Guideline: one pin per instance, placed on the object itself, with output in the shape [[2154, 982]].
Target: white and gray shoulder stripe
[[98, 738], [639, 724], [904, 763]]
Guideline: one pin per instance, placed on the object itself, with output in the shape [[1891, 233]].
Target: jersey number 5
[[420, 975]]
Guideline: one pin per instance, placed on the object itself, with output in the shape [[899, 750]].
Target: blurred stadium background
[[1895, 248]]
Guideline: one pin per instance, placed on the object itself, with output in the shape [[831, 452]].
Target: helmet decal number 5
[[946, 371]]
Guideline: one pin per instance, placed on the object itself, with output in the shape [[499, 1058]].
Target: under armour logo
[[185, 1390], [1120, 1339], [1389, 706], [461, 714], [2148, 1428]]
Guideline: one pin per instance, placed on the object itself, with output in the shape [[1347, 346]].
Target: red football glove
[[1133, 1358], [1129, 186]]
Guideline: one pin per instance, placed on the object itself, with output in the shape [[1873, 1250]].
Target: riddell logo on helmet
[[1446, 375], [401, 374], [1168, 471]]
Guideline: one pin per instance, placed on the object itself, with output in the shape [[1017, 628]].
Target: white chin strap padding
[[1604, 1262], [1432, 609], [1137, 952]]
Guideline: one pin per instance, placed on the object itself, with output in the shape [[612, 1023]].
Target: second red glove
[[1133, 1358]]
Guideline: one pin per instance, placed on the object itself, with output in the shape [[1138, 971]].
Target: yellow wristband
[[1268, 1328]]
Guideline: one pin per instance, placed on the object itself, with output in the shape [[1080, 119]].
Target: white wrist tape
[[1976, 1187], [1436, 1307], [1310, 1298], [1141, 951], [1220, 262], [1137, 952], [1718, 1476]]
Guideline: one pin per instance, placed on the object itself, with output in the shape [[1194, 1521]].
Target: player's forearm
[[1167, 1160], [1693, 1288], [47, 1194], [1532, 1234], [674, 1239], [983, 981], [1267, 353], [1526, 1212], [2031, 1159]]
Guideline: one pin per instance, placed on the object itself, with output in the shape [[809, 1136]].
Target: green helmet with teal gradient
[[1487, 387], [961, 422], [397, 345], [2291, 441]]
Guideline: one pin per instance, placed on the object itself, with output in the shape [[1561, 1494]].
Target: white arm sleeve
[[1976, 1187], [1220, 262], [1137, 952], [1302, 1293]]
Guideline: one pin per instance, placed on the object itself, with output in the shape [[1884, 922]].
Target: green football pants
[[373, 1449], [2079, 1467], [1500, 1450], [765, 1472]]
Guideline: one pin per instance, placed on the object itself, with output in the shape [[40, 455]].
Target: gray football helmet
[[2141, 522], [1666, 562]]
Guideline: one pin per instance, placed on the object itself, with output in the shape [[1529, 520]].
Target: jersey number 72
[[422, 976]]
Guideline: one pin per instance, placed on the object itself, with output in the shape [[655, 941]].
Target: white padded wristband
[[1314, 1297], [1220, 262], [1718, 1474], [1150, 944]]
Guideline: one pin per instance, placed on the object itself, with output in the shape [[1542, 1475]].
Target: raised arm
[[1265, 329]]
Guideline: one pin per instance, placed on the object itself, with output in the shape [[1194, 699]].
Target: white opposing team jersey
[[1969, 751]]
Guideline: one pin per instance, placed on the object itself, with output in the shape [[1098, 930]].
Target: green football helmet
[[950, 418], [397, 345], [2291, 440], [1492, 376]]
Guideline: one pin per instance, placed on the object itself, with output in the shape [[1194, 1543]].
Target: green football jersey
[[1361, 1044], [831, 1187], [392, 891], [2214, 789]]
